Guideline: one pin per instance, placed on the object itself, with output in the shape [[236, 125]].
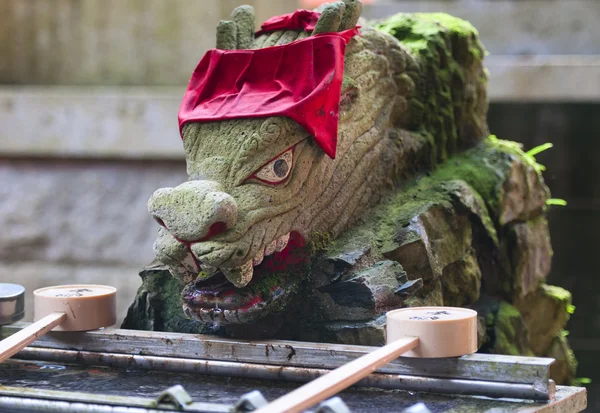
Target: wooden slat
[[508, 369], [339, 379], [259, 371]]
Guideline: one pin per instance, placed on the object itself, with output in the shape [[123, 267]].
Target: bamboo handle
[[15, 343], [337, 380]]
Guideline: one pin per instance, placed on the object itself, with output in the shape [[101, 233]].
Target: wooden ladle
[[411, 332], [65, 308]]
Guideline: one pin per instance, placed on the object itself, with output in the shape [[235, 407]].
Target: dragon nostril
[[193, 211], [215, 229], [160, 222]]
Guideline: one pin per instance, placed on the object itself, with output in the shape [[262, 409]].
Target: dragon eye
[[277, 170]]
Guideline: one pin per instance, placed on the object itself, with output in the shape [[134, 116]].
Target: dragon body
[[413, 93]]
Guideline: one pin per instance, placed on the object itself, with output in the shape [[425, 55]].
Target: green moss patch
[[449, 54]]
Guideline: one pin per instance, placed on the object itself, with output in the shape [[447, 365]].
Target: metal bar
[[56, 400], [532, 391], [16, 404], [491, 367]]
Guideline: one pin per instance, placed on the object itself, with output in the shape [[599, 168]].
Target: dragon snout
[[194, 210]]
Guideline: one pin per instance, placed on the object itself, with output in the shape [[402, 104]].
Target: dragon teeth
[[240, 276], [190, 262], [270, 249], [278, 245], [258, 259], [282, 242]]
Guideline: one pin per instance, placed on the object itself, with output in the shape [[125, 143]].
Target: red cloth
[[301, 80], [299, 20]]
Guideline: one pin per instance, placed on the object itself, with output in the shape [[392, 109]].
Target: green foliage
[[538, 149], [556, 201], [529, 157], [580, 381]]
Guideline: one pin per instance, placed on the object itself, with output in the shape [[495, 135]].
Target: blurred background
[[89, 92]]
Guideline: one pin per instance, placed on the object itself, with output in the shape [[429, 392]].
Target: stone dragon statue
[[273, 236]]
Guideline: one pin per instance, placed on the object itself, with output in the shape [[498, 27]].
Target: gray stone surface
[[91, 122], [80, 212], [538, 78], [33, 275], [515, 26], [531, 255], [118, 42]]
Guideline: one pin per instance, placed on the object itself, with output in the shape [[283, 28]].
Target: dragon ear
[[338, 16], [237, 33], [244, 19], [226, 35], [330, 18], [351, 14]]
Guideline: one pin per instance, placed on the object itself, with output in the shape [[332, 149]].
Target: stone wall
[[112, 42], [70, 221]]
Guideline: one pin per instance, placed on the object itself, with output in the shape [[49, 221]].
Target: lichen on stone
[[449, 54], [512, 336], [564, 369], [545, 312], [319, 241]]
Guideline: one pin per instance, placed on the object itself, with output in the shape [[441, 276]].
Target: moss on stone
[[461, 281], [546, 313], [511, 334], [516, 149], [267, 283], [564, 369], [449, 54], [319, 242], [202, 275], [481, 168], [418, 30], [158, 305]]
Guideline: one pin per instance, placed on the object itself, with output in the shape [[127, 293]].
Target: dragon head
[[259, 187]]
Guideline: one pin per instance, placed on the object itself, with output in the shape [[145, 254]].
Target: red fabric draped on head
[[299, 20], [301, 80]]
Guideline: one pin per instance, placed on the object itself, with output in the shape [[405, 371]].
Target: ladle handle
[[337, 380], [18, 341]]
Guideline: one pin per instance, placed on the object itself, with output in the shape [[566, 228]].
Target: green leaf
[[538, 149], [579, 381], [570, 308], [556, 201]]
